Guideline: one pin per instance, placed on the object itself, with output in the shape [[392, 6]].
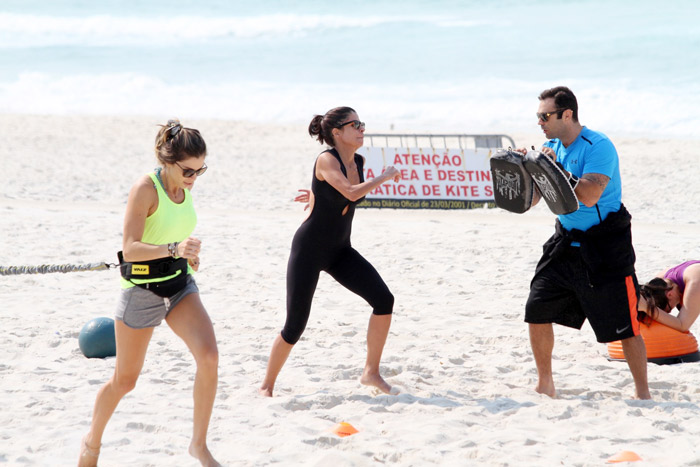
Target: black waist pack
[[154, 269]]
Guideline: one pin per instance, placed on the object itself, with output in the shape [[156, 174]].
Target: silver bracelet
[[172, 249]]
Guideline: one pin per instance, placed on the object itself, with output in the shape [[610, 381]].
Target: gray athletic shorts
[[140, 308]]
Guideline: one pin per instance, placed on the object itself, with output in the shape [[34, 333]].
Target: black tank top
[[326, 223]]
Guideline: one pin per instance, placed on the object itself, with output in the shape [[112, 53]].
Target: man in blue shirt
[[587, 269]]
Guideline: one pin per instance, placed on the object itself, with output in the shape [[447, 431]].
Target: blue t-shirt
[[591, 152]]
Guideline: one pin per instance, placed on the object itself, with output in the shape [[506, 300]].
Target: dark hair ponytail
[[321, 126], [175, 143], [654, 292]]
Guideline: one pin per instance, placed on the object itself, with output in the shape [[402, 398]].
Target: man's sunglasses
[[356, 124], [545, 115], [188, 173]]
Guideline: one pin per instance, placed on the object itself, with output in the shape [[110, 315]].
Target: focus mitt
[[513, 189], [555, 184]]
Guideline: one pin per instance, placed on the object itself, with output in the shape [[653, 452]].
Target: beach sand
[[458, 346]]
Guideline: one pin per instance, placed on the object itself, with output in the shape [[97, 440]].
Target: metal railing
[[451, 141]]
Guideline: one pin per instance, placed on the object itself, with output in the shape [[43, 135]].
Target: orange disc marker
[[344, 429], [624, 456]]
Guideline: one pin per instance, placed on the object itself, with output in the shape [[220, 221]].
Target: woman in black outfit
[[322, 243]]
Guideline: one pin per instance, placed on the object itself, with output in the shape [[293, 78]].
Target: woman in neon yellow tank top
[[159, 257]]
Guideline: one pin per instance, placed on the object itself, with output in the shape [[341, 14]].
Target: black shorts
[[562, 293]]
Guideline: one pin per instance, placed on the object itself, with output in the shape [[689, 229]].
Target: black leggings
[[349, 268]]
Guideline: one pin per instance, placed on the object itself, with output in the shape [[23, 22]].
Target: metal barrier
[[439, 171], [464, 141]]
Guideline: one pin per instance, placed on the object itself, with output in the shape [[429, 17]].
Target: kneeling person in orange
[[677, 287]]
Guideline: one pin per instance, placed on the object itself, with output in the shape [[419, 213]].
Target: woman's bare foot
[[265, 391], [202, 454], [376, 380], [88, 454]]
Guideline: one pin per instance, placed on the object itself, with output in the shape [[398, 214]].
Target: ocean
[[411, 66]]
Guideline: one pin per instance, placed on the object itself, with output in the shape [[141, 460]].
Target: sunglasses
[[545, 116], [188, 173], [356, 124]]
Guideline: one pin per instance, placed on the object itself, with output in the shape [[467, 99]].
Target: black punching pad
[[552, 182], [512, 185]]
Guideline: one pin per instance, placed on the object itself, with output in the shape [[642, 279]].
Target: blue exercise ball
[[96, 339]]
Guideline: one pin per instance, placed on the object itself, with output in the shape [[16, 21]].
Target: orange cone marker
[[344, 429], [624, 456]]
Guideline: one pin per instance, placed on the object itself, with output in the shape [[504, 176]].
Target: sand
[[458, 348]]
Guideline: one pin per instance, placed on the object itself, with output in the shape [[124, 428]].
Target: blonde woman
[[158, 225]]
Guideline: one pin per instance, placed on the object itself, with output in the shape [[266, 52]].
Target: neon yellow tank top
[[171, 222]]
